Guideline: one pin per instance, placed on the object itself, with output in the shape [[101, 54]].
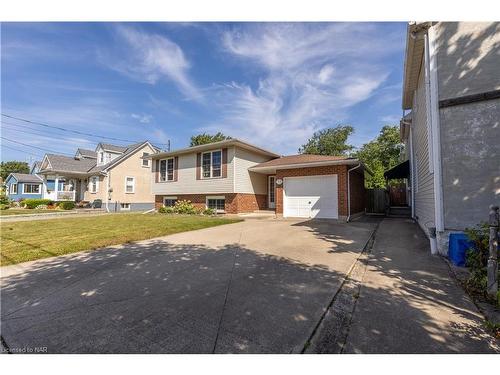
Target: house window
[[94, 184], [129, 185], [13, 189], [167, 170], [31, 189], [169, 201], [125, 206], [145, 162], [101, 157], [216, 203], [212, 164]]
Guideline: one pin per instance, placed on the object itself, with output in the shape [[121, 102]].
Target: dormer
[[106, 153]]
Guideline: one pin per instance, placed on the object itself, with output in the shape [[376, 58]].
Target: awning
[[399, 171]]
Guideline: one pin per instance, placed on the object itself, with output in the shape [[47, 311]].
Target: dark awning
[[399, 171]]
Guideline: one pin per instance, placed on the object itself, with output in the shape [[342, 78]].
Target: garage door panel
[[309, 197]]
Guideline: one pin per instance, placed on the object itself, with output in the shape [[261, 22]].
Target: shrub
[[166, 210], [4, 199], [184, 207], [3, 207], [42, 207], [209, 212], [66, 205], [32, 203]]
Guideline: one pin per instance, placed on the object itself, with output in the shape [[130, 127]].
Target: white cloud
[[311, 76], [142, 118], [149, 58]]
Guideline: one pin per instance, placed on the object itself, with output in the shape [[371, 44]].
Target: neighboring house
[[23, 186], [233, 176], [117, 175], [452, 134]]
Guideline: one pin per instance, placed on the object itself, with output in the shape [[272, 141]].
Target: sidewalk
[[409, 303]]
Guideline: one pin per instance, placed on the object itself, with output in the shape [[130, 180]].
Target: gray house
[[451, 123]]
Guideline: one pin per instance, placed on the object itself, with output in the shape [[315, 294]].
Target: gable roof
[[127, 152], [61, 163], [112, 148], [36, 166], [24, 177], [86, 153], [214, 145]]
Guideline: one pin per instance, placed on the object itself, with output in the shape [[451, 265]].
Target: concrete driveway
[[259, 286]]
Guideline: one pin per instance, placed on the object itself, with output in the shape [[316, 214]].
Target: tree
[[9, 167], [330, 141], [204, 138], [380, 155]]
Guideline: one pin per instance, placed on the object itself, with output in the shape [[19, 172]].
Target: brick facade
[[357, 186], [235, 203]]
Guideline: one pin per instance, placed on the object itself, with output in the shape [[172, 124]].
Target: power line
[[39, 148], [23, 151], [7, 126], [72, 131]]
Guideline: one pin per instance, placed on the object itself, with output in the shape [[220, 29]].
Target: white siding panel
[[188, 184], [246, 181], [424, 191]]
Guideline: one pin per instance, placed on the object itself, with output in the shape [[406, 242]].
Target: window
[[167, 170], [13, 189], [129, 185], [216, 203], [145, 162], [169, 201], [125, 206], [94, 184], [101, 157], [31, 189], [211, 164]]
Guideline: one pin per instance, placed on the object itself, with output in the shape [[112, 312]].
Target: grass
[[21, 211], [29, 240]]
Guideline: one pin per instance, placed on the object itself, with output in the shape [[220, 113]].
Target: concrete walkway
[[409, 303]]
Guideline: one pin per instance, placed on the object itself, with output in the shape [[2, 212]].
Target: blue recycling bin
[[457, 248]]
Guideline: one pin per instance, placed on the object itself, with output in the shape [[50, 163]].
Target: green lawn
[[29, 240], [21, 211]]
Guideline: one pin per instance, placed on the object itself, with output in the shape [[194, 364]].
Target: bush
[[166, 210], [184, 207], [4, 199], [209, 212], [42, 207], [33, 203], [66, 205], [3, 207]]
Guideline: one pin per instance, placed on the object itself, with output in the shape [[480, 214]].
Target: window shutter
[[224, 162], [157, 170], [176, 167], [198, 166]]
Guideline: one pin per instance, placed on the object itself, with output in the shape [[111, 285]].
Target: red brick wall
[[235, 203], [339, 170], [358, 193]]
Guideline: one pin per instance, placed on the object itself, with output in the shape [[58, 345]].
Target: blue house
[[23, 186]]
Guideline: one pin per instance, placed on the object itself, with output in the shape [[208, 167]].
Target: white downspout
[[107, 191], [349, 191], [412, 174], [435, 129]]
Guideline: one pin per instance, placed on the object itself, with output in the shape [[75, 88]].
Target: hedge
[[32, 203], [67, 205]]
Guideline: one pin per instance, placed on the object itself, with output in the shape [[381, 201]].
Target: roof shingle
[[300, 159]]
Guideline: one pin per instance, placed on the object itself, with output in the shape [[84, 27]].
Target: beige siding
[[424, 191], [101, 192], [188, 184], [468, 58], [132, 167], [246, 181]]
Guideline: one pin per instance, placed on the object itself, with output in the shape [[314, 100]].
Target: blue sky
[[272, 84]]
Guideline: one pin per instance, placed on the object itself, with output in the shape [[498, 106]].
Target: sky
[[271, 84]]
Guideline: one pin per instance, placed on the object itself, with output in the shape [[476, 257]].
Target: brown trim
[[176, 167], [157, 171], [198, 166], [495, 94], [224, 162]]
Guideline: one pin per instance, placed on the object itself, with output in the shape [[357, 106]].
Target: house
[[451, 124], [233, 176], [117, 175], [23, 186]]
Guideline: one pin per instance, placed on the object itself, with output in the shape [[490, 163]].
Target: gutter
[[107, 191], [349, 191]]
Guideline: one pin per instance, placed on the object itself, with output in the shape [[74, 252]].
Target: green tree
[[380, 155], [204, 138], [332, 141], [9, 167]]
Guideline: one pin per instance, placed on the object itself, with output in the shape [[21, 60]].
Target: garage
[[311, 197]]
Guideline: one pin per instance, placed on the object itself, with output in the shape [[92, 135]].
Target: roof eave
[[273, 169]]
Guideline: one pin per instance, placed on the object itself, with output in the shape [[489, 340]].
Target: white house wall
[[246, 181]]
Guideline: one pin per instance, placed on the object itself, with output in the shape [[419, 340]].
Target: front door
[[271, 192]]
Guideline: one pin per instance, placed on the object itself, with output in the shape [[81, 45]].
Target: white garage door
[[312, 196]]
